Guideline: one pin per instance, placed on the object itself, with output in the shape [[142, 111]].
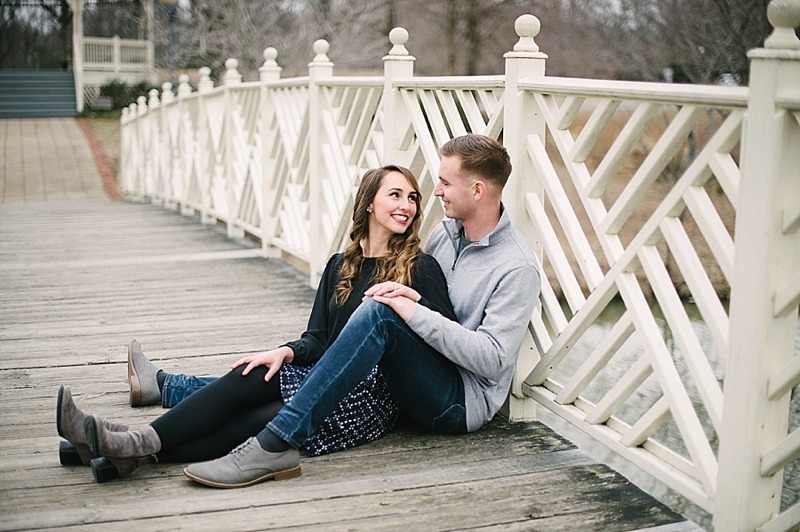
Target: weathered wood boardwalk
[[79, 279]]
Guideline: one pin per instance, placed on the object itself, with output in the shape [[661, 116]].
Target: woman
[[213, 420]]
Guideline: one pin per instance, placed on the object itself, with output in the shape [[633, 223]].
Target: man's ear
[[478, 190]]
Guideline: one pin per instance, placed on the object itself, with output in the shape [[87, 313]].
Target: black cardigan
[[327, 319]]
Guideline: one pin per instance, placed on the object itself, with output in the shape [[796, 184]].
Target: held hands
[[272, 359], [402, 299]]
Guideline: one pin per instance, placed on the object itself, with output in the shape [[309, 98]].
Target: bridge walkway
[[83, 275]]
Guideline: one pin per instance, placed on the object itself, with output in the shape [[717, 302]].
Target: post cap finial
[[183, 85], [152, 101], [398, 37], [527, 27], [270, 55], [204, 84], [166, 92], [321, 47], [232, 76], [270, 70], [141, 105], [784, 15]]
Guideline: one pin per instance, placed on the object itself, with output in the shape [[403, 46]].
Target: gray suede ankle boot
[[129, 444], [70, 422], [105, 469], [142, 377]]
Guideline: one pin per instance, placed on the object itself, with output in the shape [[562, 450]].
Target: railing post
[[320, 68], [184, 90], [169, 156], [520, 120], [77, 51], [144, 148], [117, 54], [397, 65], [155, 151], [269, 72], [764, 288], [124, 155], [232, 78], [204, 86], [135, 169]]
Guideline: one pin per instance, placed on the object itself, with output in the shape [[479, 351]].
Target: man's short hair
[[480, 155]]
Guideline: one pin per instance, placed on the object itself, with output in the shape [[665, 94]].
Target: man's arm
[[490, 349]]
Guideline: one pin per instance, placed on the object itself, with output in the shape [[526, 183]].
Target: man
[[448, 376]]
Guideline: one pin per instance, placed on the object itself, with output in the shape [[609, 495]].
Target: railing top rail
[[450, 82], [110, 40], [244, 85], [640, 90], [364, 81], [789, 102], [287, 83]]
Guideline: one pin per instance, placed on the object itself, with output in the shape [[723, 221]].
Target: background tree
[[627, 39], [699, 39]]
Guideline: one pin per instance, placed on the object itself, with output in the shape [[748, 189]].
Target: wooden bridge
[[675, 207], [81, 275]]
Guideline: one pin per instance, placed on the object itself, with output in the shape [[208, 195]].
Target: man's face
[[455, 189]]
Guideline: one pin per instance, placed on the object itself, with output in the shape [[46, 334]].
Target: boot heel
[[68, 455], [103, 470], [289, 473]]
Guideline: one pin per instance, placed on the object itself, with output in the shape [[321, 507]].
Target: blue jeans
[[427, 385], [178, 387]]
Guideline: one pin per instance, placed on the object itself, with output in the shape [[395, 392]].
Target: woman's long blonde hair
[[398, 263]]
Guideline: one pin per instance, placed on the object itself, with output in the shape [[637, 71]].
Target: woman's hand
[[392, 289], [272, 359], [402, 299]]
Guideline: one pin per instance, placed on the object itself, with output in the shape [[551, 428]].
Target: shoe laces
[[243, 448]]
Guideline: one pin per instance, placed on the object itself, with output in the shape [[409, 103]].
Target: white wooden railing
[[117, 55], [641, 193]]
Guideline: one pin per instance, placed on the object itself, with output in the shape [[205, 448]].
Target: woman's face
[[394, 206]]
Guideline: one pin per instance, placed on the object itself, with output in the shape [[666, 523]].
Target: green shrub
[[123, 94]]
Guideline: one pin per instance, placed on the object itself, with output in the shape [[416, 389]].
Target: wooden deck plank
[[80, 279]]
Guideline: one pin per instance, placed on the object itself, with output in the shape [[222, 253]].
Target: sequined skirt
[[364, 415]]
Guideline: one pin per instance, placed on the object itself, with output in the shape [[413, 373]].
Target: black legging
[[218, 417]]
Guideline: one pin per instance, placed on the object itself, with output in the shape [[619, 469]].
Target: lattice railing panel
[[243, 141], [438, 112], [638, 210], [286, 169], [186, 185], [213, 153], [348, 125]]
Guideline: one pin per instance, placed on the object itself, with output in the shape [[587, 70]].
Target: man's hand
[[392, 289], [402, 299], [273, 360]]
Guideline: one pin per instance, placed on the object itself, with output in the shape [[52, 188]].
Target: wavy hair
[[404, 248]]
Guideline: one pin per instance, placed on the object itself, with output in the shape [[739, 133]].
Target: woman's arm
[[311, 344]]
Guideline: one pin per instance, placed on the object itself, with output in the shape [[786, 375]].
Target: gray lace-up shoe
[[246, 465], [142, 378]]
